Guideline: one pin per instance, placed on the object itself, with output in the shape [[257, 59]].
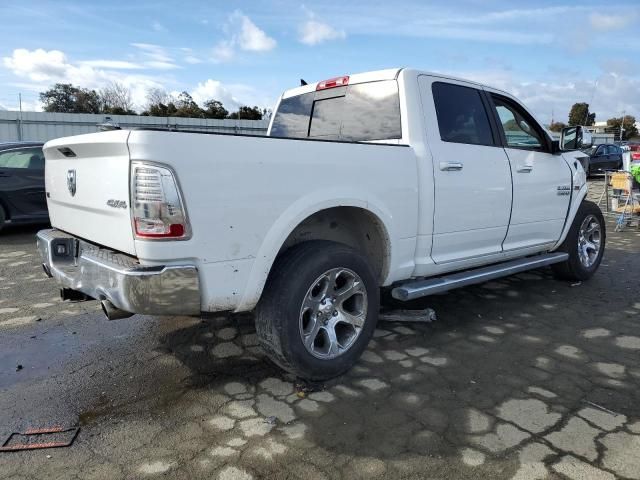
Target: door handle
[[5, 174], [525, 169], [450, 166]]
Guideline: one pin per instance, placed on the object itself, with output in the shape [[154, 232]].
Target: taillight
[[635, 155], [333, 82], [158, 211]]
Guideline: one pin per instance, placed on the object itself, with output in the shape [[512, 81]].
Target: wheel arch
[[354, 222]]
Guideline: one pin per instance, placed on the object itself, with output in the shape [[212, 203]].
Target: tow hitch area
[[73, 295]]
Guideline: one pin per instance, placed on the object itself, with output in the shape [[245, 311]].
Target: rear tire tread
[[271, 318]]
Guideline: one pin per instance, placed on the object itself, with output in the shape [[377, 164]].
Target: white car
[[396, 179]]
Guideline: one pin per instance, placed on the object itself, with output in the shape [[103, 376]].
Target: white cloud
[[214, 90], [37, 65], [44, 68], [223, 52], [605, 22], [157, 56], [251, 37], [190, 57], [111, 64], [313, 32], [242, 34]]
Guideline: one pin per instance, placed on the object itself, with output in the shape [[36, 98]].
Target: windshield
[[357, 113]]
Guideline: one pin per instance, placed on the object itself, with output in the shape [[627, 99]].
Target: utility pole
[[622, 125], [20, 117]]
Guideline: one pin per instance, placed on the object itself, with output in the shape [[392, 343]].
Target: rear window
[[361, 112]]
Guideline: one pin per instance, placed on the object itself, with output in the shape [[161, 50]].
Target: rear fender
[[286, 223]]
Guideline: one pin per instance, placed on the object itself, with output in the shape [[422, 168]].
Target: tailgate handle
[[525, 169]]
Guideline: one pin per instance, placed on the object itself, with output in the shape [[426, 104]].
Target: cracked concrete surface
[[522, 378]]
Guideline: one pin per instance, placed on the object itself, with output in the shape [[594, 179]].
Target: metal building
[[43, 126]]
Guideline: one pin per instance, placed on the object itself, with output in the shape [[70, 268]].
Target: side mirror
[[575, 138]]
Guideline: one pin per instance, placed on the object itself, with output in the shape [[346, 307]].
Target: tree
[[215, 109], [248, 113], [187, 107], [159, 103], [580, 115], [65, 98], [116, 99], [557, 126], [630, 130]]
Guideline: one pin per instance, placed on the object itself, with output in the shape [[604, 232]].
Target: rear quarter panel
[[244, 195]]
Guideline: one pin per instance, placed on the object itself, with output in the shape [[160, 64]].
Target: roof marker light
[[333, 83]]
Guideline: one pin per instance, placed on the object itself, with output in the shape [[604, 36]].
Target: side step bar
[[422, 288]]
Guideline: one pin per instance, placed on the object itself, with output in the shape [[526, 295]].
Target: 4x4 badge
[[71, 181]]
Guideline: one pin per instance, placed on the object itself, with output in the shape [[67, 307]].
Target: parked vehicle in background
[[399, 179], [22, 192], [605, 156], [635, 151]]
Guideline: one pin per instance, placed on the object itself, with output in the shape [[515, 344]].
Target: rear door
[[472, 179], [542, 181], [614, 155], [22, 182]]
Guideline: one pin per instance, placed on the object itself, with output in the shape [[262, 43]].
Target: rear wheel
[[319, 309], [584, 243]]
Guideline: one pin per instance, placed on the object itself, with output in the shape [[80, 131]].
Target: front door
[[472, 179], [542, 181]]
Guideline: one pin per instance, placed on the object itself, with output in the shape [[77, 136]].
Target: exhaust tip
[[112, 312]]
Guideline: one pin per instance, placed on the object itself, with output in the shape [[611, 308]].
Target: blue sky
[[548, 53]]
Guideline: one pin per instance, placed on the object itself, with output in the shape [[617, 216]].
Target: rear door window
[[31, 158], [357, 113], [462, 117]]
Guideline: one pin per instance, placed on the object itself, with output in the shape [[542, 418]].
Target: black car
[[602, 157], [22, 191]]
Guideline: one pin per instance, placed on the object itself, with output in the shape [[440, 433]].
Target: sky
[[549, 54]]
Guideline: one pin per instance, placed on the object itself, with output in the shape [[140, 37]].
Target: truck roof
[[378, 75]]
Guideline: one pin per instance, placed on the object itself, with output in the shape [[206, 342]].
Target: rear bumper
[[104, 274]]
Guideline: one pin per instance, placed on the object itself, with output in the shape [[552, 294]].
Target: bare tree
[[116, 98], [157, 96]]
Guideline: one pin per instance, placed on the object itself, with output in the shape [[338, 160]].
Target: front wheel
[[319, 309], [584, 243]]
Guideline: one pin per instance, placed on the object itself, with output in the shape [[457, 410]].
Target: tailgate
[[87, 182]]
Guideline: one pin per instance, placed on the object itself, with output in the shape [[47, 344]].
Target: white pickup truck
[[398, 179]]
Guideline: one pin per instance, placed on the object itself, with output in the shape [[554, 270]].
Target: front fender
[[289, 220], [580, 190]]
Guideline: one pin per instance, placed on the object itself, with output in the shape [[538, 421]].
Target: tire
[[290, 311], [585, 251]]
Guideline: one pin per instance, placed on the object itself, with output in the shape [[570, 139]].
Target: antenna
[[303, 83]]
